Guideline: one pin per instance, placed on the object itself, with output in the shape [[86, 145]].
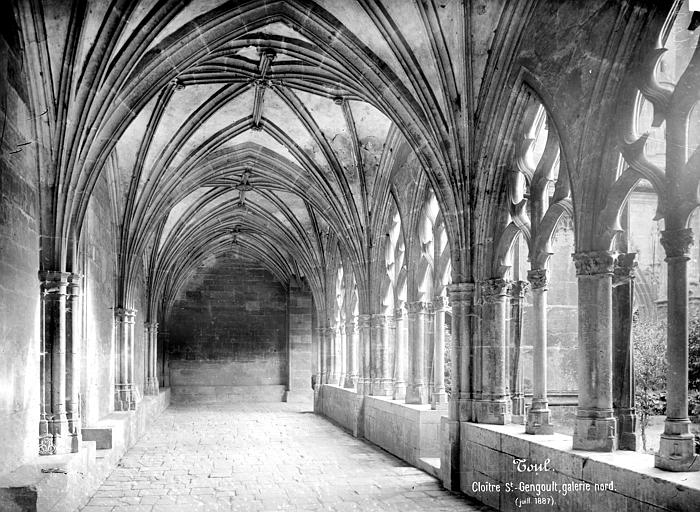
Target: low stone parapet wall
[[410, 432], [507, 469]]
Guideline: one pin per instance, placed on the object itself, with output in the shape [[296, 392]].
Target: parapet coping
[[637, 463]]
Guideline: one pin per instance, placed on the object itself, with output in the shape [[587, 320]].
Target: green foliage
[[649, 339], [694, 355]]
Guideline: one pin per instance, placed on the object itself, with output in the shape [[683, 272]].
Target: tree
[[649, 339]]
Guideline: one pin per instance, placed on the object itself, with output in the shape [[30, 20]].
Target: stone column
[[352, 336], [365, 381], [126, 394], [74, 339], [342, 354], [539, 416], [385, 382], [518, 291], [595, 427], [439, 396], [322, 356], [676, 448], [332, 355], [623, 359], [416, 391], [377, 323], [151, 358], [494, 404], [164, 336], [55, 435], [460, 401], [400, 361]]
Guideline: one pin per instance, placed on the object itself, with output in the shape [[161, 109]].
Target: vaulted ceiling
[[274, 128], [265, 137]]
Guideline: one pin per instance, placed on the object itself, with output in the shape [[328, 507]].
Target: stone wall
[[603, 481], [410, 432], [19, 259], [228, 328]]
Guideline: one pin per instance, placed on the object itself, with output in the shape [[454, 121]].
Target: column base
[[383, 387], [126, 396], [460, 409], [677, 453], [492, 412], [627, 438], [151, 387], [518, 409], [63, 440], [539, 422], [350, 382], [439, 401], [399, 391], [596, 434], [417, 394], [450, 455]]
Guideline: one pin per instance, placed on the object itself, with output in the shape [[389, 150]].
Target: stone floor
[[254, 457]]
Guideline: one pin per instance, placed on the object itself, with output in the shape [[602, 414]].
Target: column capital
[[594, 263], [54, 282], [351, 326], [440, 303], [624, 268], [493, 289], [377, 320], [461, 293], [363, 320], [419, 307], [677, 242], [75, 282], [400, 311], [538, 278], [151, 325], [519, 289], [125, 314]]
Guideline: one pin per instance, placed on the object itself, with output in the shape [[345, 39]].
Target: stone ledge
[[65, 482], [410, 432], [487, 457]]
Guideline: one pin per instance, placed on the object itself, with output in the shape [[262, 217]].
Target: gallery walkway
[[254, 457]]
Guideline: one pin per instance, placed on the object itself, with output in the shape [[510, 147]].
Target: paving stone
[[260, 457]]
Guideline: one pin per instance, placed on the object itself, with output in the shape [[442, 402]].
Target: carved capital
[[126, 315], [351, 326], [519, 289], [539, 278], [378, 320], [400, 312], [493, 290], [418, 307], [440, 303], [461, 293], [363, 321], [624, 268], [74, 284], [54, 283], [677, 242], [594, 263]]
